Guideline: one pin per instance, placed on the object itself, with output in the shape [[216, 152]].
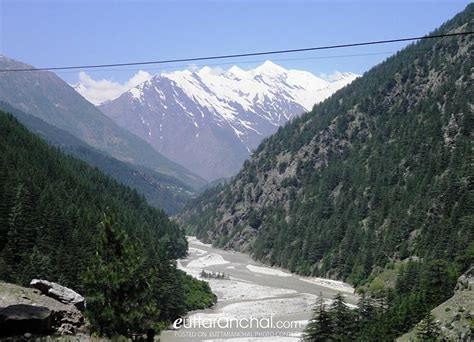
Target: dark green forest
[[378, 173], [160, 190], [420, 286], [67, 222]]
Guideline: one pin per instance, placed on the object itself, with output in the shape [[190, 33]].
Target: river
[[255, 303]]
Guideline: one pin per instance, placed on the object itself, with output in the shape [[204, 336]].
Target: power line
[[172, 67], [195, 59], [251, 62]]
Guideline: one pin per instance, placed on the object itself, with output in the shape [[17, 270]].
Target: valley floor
[[251, 291]]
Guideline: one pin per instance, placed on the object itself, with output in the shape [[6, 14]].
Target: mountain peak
[[337, 76], [209, 119], [235, 70], [205, 70], [268, 67]]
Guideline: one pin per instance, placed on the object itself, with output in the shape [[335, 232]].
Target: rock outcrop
[[466, 281], [15, 318], [59, 292], [27, 310]]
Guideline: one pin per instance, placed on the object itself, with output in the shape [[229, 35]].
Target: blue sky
[[57, 33]]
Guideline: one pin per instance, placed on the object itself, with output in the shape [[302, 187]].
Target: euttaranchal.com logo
[[196, 322]]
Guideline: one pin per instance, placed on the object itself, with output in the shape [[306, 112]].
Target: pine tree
[[320, 327], [366, 309], [342, 319], [116, 288]]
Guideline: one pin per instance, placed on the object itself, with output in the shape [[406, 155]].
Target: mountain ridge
[[45, 95], [209, 120]]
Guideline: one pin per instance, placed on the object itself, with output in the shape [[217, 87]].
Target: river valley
[[255, 302]]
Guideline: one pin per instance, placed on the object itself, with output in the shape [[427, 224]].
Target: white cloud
[[99, 91]]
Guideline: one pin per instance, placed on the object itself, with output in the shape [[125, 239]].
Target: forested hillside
[[373, 186], [379, 172], [65, 221], [161, 191]]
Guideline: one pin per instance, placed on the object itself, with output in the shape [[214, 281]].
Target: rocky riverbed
[[280, 303]]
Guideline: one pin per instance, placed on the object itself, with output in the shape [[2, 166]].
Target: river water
[[255, 303]]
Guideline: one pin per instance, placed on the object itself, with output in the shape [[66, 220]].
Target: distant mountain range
[[210, 120], [44, 95]]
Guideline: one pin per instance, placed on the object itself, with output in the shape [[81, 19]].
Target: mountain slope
[[161, 191], [210, 120], [378, 172], [46, 96], [58, 215], [45, 193]]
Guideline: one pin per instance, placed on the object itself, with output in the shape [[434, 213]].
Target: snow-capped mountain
[[210, 120]]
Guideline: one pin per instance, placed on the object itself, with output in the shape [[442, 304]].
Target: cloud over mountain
[[99, 91]]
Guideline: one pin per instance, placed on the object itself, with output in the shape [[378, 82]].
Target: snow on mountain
[[209, 120]]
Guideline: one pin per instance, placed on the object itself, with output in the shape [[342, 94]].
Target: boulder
[[65, 319], [23, 318], [466, 281], [61, 293]]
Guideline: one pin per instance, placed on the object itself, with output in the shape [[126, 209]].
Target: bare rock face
[[37, 313], [466, 281], [59, 292], [23, 318]]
